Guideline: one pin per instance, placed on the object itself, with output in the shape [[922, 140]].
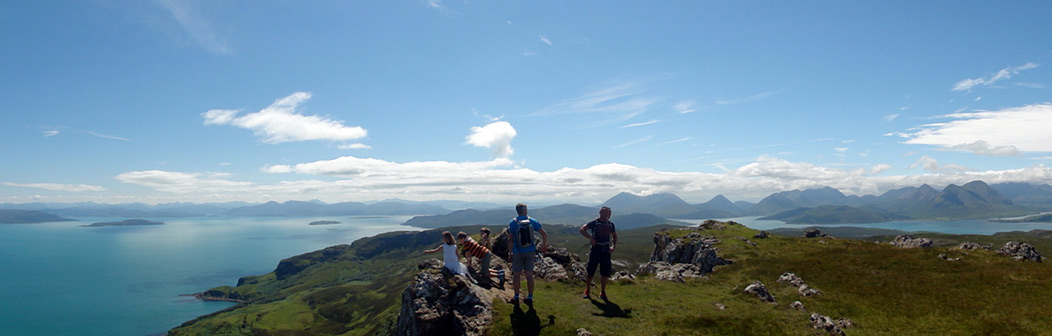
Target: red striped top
[[472, 247]]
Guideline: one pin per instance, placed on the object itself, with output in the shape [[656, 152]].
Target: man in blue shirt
[[523, 249]]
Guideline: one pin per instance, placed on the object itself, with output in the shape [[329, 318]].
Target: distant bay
[[60, 279]]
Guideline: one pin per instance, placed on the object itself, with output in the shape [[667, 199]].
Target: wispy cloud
[[194, 24], [111, 137], [496, 136], [891, 117], [633, 142], [1001, 132], [529, 53], [675, 141], [178, 182], [50, 133], [1006, 73], [754, 97], [684, 107], [620, 102], [642, 123], [1030, 85], [281, 122], [546, 40], [57, 186]]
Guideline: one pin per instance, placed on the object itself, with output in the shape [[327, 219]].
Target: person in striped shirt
[[471, 248]]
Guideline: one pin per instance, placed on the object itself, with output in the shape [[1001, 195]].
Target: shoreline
[[201, 296]]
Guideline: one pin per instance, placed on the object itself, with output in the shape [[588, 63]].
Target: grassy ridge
[[885, 290]]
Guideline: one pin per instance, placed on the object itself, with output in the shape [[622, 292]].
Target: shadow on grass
[[610, 309], [527, 322]]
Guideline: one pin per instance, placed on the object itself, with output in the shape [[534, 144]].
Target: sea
[[63, 279]]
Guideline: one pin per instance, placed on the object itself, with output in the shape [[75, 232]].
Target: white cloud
[[684, 107], [1006, 73], [880, 168], [978, 98], [932, 165], [529, 53], [177, 182], [633, 142], [281, 122], [501, 180], [496, 136], [57, 186], [546, 40], [1023, 128], [642, 123], [355, 146], [982, 148], [1030, 85], [840, 149], [194, 24], [50, 133], [890, 117]]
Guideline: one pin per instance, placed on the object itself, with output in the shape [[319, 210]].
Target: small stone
[[583, 332], [720, 306], [798, 306], [757, 288], [761, 235], [823, 322], [813, 233]]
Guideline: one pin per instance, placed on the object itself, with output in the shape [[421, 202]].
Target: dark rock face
[[500, 246], [813, 233], [757, 288], [1020, 251], [907, 241], [439, 303], [693, 249], [761, 235]]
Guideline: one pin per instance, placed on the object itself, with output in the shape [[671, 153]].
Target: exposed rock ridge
[[1020, 251], [438, 302], [907, 241], [692, 255]]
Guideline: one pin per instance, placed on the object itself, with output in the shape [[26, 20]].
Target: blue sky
[[204, 101]]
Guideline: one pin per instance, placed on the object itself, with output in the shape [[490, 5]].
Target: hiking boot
[[602, 296], [528, 300], [515, 300], [586, 295]]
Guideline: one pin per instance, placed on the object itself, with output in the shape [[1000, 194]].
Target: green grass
[[883, 289]]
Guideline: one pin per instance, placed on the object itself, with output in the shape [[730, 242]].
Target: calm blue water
[[970, 226], [60, 279]]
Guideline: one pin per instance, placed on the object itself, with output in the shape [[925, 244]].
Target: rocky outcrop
[[1020, 251], [761, 235], [813, 233], [907, 241], [292, 266], [583, 332], [670, 272], [694, 249], [558, 264], [500, 245], [757, 288], [623, 277], [822, 322], [801, 287], [798, 306], [438, 302], [973, 246]]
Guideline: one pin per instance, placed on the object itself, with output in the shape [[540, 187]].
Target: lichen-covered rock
[[806, 290], [973, 246], [798, 306], [1020, 251], [710, 224], [670, 272], [907, 241], [791, 279], [623, 277], [694, 248], [761, 235], [813, 233], [757, 288], [822, 322], [583, 332], [546, 268], [438, 302]]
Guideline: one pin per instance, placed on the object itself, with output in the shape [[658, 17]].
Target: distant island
[[126, 222], [29, 217], [324, 222], [1042, 218]]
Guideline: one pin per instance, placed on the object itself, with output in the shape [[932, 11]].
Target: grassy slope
[[885, 290]]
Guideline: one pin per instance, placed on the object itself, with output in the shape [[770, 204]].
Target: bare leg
[[529, 282], [515, 282], [587, 282], [602, 281]]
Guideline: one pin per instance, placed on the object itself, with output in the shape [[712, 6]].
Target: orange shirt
[[473, 248]]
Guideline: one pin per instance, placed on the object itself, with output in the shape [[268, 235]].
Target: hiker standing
[[523, 249], [603, 235]]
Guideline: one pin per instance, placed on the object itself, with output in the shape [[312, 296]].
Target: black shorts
[[600, 256]]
